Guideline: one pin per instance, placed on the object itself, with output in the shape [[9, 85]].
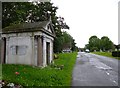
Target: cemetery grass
[[108, 54], [51, 75]]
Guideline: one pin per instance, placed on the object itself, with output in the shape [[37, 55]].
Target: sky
[[89, 17]]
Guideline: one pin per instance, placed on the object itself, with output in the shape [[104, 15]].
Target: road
[[95, 70]]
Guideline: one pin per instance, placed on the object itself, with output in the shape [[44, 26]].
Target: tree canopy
[[25, 12], [65, 41], [96, 44], [20, 12]]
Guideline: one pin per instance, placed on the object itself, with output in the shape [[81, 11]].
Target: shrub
[[116, 53]]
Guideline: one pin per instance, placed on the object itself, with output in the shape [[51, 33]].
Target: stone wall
[[19, 50], [22, 48]]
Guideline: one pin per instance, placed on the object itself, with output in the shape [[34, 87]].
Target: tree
[[94, 41], [87, 46], [58, 43], [69, 42], [106, 44], [19, 12], [25, 12], [74, 47], [66, 41], [97, 44], [94, 49]]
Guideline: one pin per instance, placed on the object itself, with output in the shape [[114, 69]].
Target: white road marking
[[95, 62]]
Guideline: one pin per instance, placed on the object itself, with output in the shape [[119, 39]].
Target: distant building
[[28, 43], [67, 50]]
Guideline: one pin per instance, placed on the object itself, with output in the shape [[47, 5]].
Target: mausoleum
[[28, 43]]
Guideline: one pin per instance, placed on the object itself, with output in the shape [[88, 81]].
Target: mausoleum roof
[[30, 27]]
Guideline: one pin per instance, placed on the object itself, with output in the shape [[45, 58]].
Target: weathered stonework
[[31, 47]]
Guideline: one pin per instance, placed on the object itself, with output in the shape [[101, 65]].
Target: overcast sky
[[89, 17]]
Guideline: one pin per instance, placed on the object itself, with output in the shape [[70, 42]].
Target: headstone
[[100, 50]]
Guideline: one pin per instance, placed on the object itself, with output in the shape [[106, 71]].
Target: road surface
[[95, 70]]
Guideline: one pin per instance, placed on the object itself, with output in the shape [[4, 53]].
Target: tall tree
[[66, 41], [74, 47], [106, 43], [94, 43], [25, 12], [97, 44]]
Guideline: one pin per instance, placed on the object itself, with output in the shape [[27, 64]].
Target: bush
[[116, 53]]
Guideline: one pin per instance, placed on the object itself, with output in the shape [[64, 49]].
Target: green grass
[[48, 76], [108, 54], [0, 71]]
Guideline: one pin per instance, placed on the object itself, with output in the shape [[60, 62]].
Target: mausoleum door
[[48, 53]]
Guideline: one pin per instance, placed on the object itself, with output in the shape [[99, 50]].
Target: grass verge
[[108, 54], [0, 71], [48, 76]]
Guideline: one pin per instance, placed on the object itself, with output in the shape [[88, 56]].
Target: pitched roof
[[29, 27]]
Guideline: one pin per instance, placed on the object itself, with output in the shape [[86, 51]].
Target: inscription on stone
[[18, 49]]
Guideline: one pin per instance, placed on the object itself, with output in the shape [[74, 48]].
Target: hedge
[[116, 53]]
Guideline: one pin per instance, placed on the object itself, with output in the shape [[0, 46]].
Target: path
[[95, 70]]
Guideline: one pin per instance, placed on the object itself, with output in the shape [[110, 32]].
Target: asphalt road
[[95, 70]]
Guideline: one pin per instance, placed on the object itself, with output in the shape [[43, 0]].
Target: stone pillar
[[40, 52], [2, 48], [7, 50], [51, 46], [33, 50], [44, 51], [51, 51]]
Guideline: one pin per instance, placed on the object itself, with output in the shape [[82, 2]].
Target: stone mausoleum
[[28, 43]]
